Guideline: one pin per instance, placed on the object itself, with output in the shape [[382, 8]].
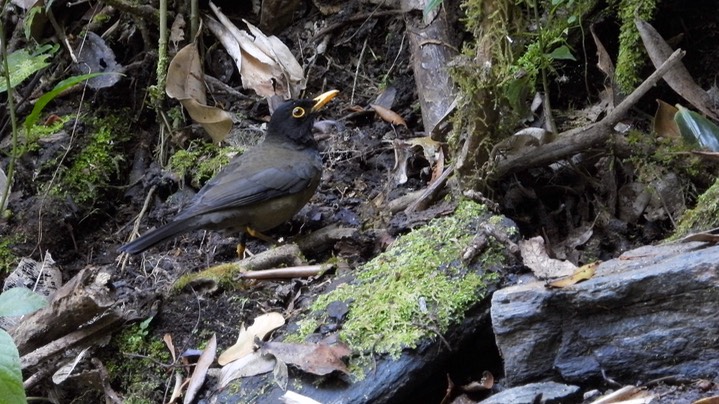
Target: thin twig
[[359, 63], [355, 18], [303, 271]]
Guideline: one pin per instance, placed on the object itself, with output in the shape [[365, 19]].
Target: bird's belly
[[261, 216]]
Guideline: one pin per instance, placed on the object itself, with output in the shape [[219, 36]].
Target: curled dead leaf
[[265, 63], [536, 258], [581, 274], [319, 359], [262, 326], [185, 84], [388, 115]]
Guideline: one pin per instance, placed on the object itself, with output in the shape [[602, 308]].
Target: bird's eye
[[298, 112]]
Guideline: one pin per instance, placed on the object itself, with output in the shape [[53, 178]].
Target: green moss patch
[[201, 161], [416, 289], [704, 216]]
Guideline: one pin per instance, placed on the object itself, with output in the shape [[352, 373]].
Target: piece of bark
[[650, 313], [432, 46], [550, 392], [78, 302]]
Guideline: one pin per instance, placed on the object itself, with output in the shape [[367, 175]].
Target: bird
[[259, 189]]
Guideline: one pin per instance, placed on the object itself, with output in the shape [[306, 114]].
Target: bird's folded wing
[[237, 190]]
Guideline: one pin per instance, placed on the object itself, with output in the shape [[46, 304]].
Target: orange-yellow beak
[[322, 99]]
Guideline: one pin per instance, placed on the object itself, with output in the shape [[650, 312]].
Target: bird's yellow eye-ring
[[298, 112]]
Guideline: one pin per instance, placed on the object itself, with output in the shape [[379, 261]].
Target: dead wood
[[432, 48], [578, 140], [82, 299]]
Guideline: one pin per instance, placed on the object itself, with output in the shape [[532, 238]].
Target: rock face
[[652, 312]]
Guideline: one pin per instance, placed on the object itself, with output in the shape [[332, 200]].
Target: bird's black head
[[293, 119]]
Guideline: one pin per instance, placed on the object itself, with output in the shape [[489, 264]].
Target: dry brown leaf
[[319, 359], [678, 78], [581, 274], [664, 123], [177, 31], [198, 376], [707, 400], [485, 383], [185, 84], [262, 326], [388, 115], [167, 338], [709, 236], [535, 258], [402, 153]]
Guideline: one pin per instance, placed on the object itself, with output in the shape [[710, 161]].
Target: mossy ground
[[416, 289], [142, 378], [201, 161], [704, 216]]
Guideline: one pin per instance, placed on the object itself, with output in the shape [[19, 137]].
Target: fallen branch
[[578, 140], [304, 271]]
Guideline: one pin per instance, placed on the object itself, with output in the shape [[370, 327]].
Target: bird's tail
[[157, 236]]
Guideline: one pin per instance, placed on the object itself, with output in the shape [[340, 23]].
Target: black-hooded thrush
[[260, 189]]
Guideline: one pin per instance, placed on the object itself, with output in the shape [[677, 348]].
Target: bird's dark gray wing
[[235, 187]]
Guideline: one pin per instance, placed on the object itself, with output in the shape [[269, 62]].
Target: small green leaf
[[20, 301], [562, 53], [49, 96], [431, 6], [696, 129], [22, 65], [11, 389]]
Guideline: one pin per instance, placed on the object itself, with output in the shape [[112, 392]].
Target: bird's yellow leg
[[256, 234], [241, 246]]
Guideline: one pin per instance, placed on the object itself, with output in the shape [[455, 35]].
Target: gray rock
[[551, 393], [652, 312]]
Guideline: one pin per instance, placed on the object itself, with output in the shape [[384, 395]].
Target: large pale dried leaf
[[198, 376], [266, 65], [663, 123], [388, 115], [604, 61], [281, 54], [581, 274], [678, 78], [536, 258], [227, 39], [185, 84], [216, 122], [184, 75], [262, 326], [319, 359], [252, 364]]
